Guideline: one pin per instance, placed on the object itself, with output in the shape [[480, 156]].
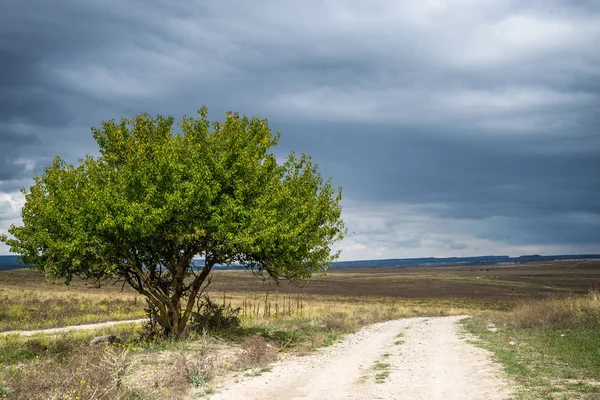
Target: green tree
[[155, 198]]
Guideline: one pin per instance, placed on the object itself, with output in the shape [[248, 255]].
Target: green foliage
[[155, 198], [196, 380], [381, 376]]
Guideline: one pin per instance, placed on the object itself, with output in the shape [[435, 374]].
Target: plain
[[540, 320]]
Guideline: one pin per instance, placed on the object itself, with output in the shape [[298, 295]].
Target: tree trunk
[[170, 321], [172, 317]]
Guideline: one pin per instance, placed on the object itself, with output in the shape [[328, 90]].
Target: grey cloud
[[531, 185], [455, 245], [5, 210], [9, 170], [14, 148], [481, 114], [561, 229], [10, 138], [14, 186], [384, 57], [425, 167]]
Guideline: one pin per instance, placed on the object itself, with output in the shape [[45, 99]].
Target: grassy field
[[550, 347], [28, 301], [554, 357], [504, 283]]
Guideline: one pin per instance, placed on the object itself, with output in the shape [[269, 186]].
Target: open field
[[487, 283], [487, 287], [292, 319], [32, 367], [28, 301]]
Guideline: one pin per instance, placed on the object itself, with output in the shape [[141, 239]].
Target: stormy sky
[[458, 127]]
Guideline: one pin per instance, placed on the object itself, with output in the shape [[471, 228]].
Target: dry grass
[[565, 312], [87, 374], [347, 313], [66, 367], [255, 352], [172, 372], [271, 322], [30, 310], [28, 302], [321, 320]]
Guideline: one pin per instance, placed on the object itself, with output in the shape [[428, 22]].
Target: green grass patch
[[258, 371], [382, 371], [381, 377], [547, 360], [380, 365]]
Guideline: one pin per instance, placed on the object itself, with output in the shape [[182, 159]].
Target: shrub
[[337, 322], [255, 353], [199, 367], [210, 316], [151, 330]]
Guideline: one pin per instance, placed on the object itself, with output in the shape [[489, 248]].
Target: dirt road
[[74, 328], [416, 358]]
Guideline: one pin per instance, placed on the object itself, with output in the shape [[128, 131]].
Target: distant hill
[[10, 262], [439, 262], [480, 260]]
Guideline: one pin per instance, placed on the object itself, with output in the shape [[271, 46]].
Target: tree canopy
[[155, 198]]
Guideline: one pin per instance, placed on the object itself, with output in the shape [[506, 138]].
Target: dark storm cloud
[[13, 147], [480, 118], [530, 186]]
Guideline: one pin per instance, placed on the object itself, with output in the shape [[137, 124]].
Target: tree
[[154, 199]]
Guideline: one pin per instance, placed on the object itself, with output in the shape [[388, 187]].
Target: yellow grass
[[571, 311], [38, 309]]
